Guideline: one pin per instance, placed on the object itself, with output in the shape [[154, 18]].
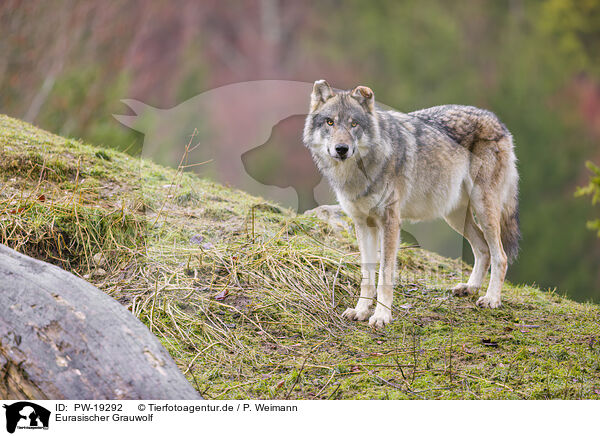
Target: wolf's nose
[[342, 150]]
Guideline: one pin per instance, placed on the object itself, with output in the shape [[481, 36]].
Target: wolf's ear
[[321, 93], [365, 97]]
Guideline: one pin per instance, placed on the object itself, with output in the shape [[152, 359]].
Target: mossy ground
[[247, 297]]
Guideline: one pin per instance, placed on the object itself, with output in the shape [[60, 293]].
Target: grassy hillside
[[247, 296]]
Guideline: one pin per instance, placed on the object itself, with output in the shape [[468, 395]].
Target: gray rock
[[62, 338]]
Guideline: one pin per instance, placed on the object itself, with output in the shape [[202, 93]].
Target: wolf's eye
[[329, 122], [354, 124]]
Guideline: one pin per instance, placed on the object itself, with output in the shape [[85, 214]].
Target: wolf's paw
[[358, 314], [463, 289], [380, 318], [489, 302]]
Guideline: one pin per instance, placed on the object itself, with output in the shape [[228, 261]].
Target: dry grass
[[247, 297]]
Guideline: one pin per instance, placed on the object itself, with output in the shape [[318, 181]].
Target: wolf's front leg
[[389, 240], [368, 237]]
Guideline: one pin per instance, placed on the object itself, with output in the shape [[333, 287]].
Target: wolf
[[455, 162]]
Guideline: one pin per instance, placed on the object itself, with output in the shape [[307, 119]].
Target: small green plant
[[593, 189]]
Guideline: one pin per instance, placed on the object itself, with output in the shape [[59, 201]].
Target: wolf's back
[[464, 124]]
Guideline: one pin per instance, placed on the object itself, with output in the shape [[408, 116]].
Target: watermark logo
[[25, 415]]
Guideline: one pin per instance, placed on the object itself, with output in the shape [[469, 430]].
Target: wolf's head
[[341, 125]]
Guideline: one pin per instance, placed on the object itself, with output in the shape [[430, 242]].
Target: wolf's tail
[[509, 223]]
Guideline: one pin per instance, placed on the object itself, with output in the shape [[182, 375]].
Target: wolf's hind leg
[[368, 237], [487, 209], [462, 221]]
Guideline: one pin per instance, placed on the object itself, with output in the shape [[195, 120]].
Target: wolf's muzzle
[[342, 150]]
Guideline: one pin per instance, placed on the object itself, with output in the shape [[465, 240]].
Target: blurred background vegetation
[[65, 65]]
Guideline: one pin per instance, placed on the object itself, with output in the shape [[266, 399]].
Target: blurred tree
[[575, 26]]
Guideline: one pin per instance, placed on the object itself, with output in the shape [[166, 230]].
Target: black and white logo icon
[[26, 415]]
